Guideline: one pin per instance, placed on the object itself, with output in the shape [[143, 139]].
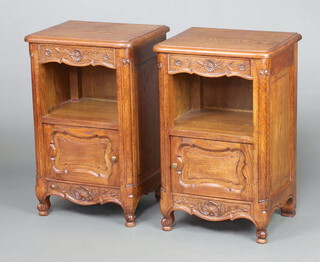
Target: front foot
[[262, 236], [167, 222], [130, 220], [43, 208]]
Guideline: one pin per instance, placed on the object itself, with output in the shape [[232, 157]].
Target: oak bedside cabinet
[[95, 97], [228, 125]]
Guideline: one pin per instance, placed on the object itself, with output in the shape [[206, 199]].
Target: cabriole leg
[[44, 199]]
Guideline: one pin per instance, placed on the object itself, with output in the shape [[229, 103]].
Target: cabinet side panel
[[280, 134], [149, 144]]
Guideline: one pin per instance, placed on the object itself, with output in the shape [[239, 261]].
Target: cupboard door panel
[[82, 154], [211, 168]]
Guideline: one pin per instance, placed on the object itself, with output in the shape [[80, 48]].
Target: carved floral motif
[[211, 65], [208, 66], [263, 72], [75, 55], [80, 193], [211, 208], [178, 62]]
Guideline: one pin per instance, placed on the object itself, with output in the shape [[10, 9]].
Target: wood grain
[[85, 112], [99, 82], [226, 42], [97, 34], [227, 93], [215, 121]]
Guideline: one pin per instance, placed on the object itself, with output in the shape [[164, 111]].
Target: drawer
[[211, 168], [210, 66], [81, 154], [77, 55]]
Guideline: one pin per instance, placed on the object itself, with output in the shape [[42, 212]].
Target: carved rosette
[[263, 72], [125, 61], [77, 56], [210, 66], [210, 209], [82, 194]]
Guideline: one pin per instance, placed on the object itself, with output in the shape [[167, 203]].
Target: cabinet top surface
[[97, 34], [198, 40]]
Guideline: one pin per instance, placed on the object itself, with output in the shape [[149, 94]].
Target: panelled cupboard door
[[81, 154], [211, 168]]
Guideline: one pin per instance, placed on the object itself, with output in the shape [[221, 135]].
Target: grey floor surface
[[97, 233]]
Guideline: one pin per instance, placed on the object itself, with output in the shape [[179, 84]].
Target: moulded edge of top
[[32, 38], [163, 48]]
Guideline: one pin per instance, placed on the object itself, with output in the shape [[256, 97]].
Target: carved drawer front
[[82, 154], [211, 168], [77, 55], [209, 66]]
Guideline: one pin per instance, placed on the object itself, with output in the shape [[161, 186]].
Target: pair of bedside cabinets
[[217, 109]]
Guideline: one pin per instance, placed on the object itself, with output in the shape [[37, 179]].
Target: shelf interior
[[81, 96], [216, 121], [92, 112], [221, 106]]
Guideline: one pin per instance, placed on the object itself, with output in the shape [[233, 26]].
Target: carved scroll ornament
[[210, 66], [211, 209]]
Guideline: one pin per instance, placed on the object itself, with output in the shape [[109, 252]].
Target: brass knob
[[113, 158], [174, 165]]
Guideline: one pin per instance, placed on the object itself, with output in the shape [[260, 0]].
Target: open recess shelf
[[81, 96], [86, 111], [214, 108], [219, 123]]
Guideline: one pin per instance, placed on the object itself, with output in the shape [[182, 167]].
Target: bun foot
[[262, 237], [166, 224], [130, 224], [43, 209], [130, 220]]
